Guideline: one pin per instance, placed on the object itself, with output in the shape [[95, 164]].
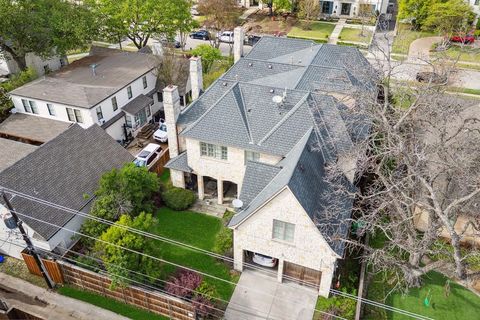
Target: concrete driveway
[[259, 296]]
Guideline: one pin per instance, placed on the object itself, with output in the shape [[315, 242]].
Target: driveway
[[259, 296], [420, 48]]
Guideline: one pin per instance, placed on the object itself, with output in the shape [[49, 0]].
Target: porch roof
[[179, 163], [137, 104]]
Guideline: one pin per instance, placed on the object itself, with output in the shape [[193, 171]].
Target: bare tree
[[171, 68], [220, 15], [309, 9]]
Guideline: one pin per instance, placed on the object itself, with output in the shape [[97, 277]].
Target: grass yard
[[405, 37], [461, 303], [109, 304], [311, 30], [198, 230], [352, 34], [17, 268], [466, 54]]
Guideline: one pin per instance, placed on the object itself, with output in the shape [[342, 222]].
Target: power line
[[156, 237]]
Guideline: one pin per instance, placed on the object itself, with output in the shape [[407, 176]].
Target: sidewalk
[[336, 32], [47, 304]]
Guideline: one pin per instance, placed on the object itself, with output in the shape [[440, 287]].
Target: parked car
[[226, 36], [468, 39], [433, 77], [200, 34], [263, 260], [160, 134], [170, 43], [148, 156], [252, 39]]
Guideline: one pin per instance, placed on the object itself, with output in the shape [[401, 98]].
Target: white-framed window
[[74, 115], [149, 112], [251, 156], [129, 92], [128, 121], [26, 106], [114, 104], [99, 113], [283, 230], [51, 109], [33, 106], [213, 151], [144, 81]]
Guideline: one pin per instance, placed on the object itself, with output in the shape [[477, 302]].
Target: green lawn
[[406, 36], [109, 304], [315, 30], [352, 34], [466, 53], [461, 304], [198, 230]]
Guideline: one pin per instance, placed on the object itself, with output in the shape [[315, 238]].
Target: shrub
[[203, 306], [178, 198], [206, 289], [183, 283], [223, 241]]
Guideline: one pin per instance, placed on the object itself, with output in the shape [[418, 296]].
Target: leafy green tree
[[209, 55], [449, 17], [286, 5], [117, 259], [16, 81], [131, 188], [104, 207], [415, 10], [140, 20], [43, 27]]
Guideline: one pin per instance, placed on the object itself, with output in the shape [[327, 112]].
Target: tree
[[43, 27], [220, 15], [171, 68], [364, 13], [117, 260], [449, 17], [209, 56], [414, 10], [16, 81], [286, 5], [140, 20], [309, 9]]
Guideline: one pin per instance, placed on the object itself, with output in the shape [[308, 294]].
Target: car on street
[[431, 77], [160, 134], [200, 34], [263, 260], [148, 156], [171, 43], [226, 36], [467, 39], [252, 39]]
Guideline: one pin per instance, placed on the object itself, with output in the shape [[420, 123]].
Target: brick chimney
[[238, 38], [196, 77], [171, 105]]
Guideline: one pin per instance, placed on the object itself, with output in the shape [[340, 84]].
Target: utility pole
[[29, 243]]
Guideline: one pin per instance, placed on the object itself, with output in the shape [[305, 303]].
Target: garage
[[261, 265], [302, 275]]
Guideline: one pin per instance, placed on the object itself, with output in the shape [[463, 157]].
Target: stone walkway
[[419, 50], [248, 12], [336, 32]]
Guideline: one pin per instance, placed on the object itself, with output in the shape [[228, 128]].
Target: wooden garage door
[[305, 275]]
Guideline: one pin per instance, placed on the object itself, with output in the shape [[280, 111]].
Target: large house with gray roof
[[264, 133], [64, 171]]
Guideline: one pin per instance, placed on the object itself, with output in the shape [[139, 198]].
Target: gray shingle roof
[[62, 171], [137, 104], [12, 151], [180, 163]]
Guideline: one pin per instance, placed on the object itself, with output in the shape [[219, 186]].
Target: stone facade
[[308, 249]]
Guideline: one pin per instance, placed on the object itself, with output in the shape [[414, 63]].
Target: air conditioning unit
[[102, 121]]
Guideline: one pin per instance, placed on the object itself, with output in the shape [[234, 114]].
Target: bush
[[339, 306], [223, 241], [206, 290], [178, 198], [183, 284], [203, 306]]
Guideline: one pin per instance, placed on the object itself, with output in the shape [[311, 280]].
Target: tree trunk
[[19, 59], [457, 256]]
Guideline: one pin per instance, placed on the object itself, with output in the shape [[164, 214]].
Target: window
[[283, 230], [99, 113], [74, 115], [160, 96], [129, 92], [114, 103], [251, 156], [213, 151], [33, 106], [128, 121], [144, 80], [149, 112], [51, 110], [477, 2], [26, 106]]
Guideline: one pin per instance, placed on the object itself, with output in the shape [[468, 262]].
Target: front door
[[346, 7]]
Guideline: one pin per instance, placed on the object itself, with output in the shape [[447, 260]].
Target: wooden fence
[[150, 300], [158, 167], [52, 267]]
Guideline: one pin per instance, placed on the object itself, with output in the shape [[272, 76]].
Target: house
[[115, 89], [265, 132], [476, 7], [64, 171], [41, 65]]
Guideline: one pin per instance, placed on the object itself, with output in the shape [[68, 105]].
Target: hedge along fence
[[150, 300]]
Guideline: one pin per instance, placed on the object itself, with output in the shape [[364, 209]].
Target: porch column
[[238, 255], [220, 191], [201, 188], [280, 270], [325, 282]]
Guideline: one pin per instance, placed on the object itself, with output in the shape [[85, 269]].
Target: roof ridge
[[243, 107], [273, 62], [287, 116], [315, 127]]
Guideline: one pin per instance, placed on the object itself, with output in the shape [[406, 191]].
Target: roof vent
[[299, 61], [269, 66], [224, 84], [272, 91], [250, 64], [277, 99], [248, 110], [301, 167]]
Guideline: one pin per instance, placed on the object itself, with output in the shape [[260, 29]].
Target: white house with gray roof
[[115, 89], [264, 132]]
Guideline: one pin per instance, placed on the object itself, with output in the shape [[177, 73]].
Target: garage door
[[305, 275]]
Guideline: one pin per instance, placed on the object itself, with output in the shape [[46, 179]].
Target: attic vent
[[250, 64], [269, 66]]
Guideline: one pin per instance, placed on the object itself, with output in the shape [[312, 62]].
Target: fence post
[[169, 309]]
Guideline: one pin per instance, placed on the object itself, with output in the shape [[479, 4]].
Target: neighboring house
[[347, 8], [65, 171], [476, 6], [115, 89], [41, 66], [265, 132]]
